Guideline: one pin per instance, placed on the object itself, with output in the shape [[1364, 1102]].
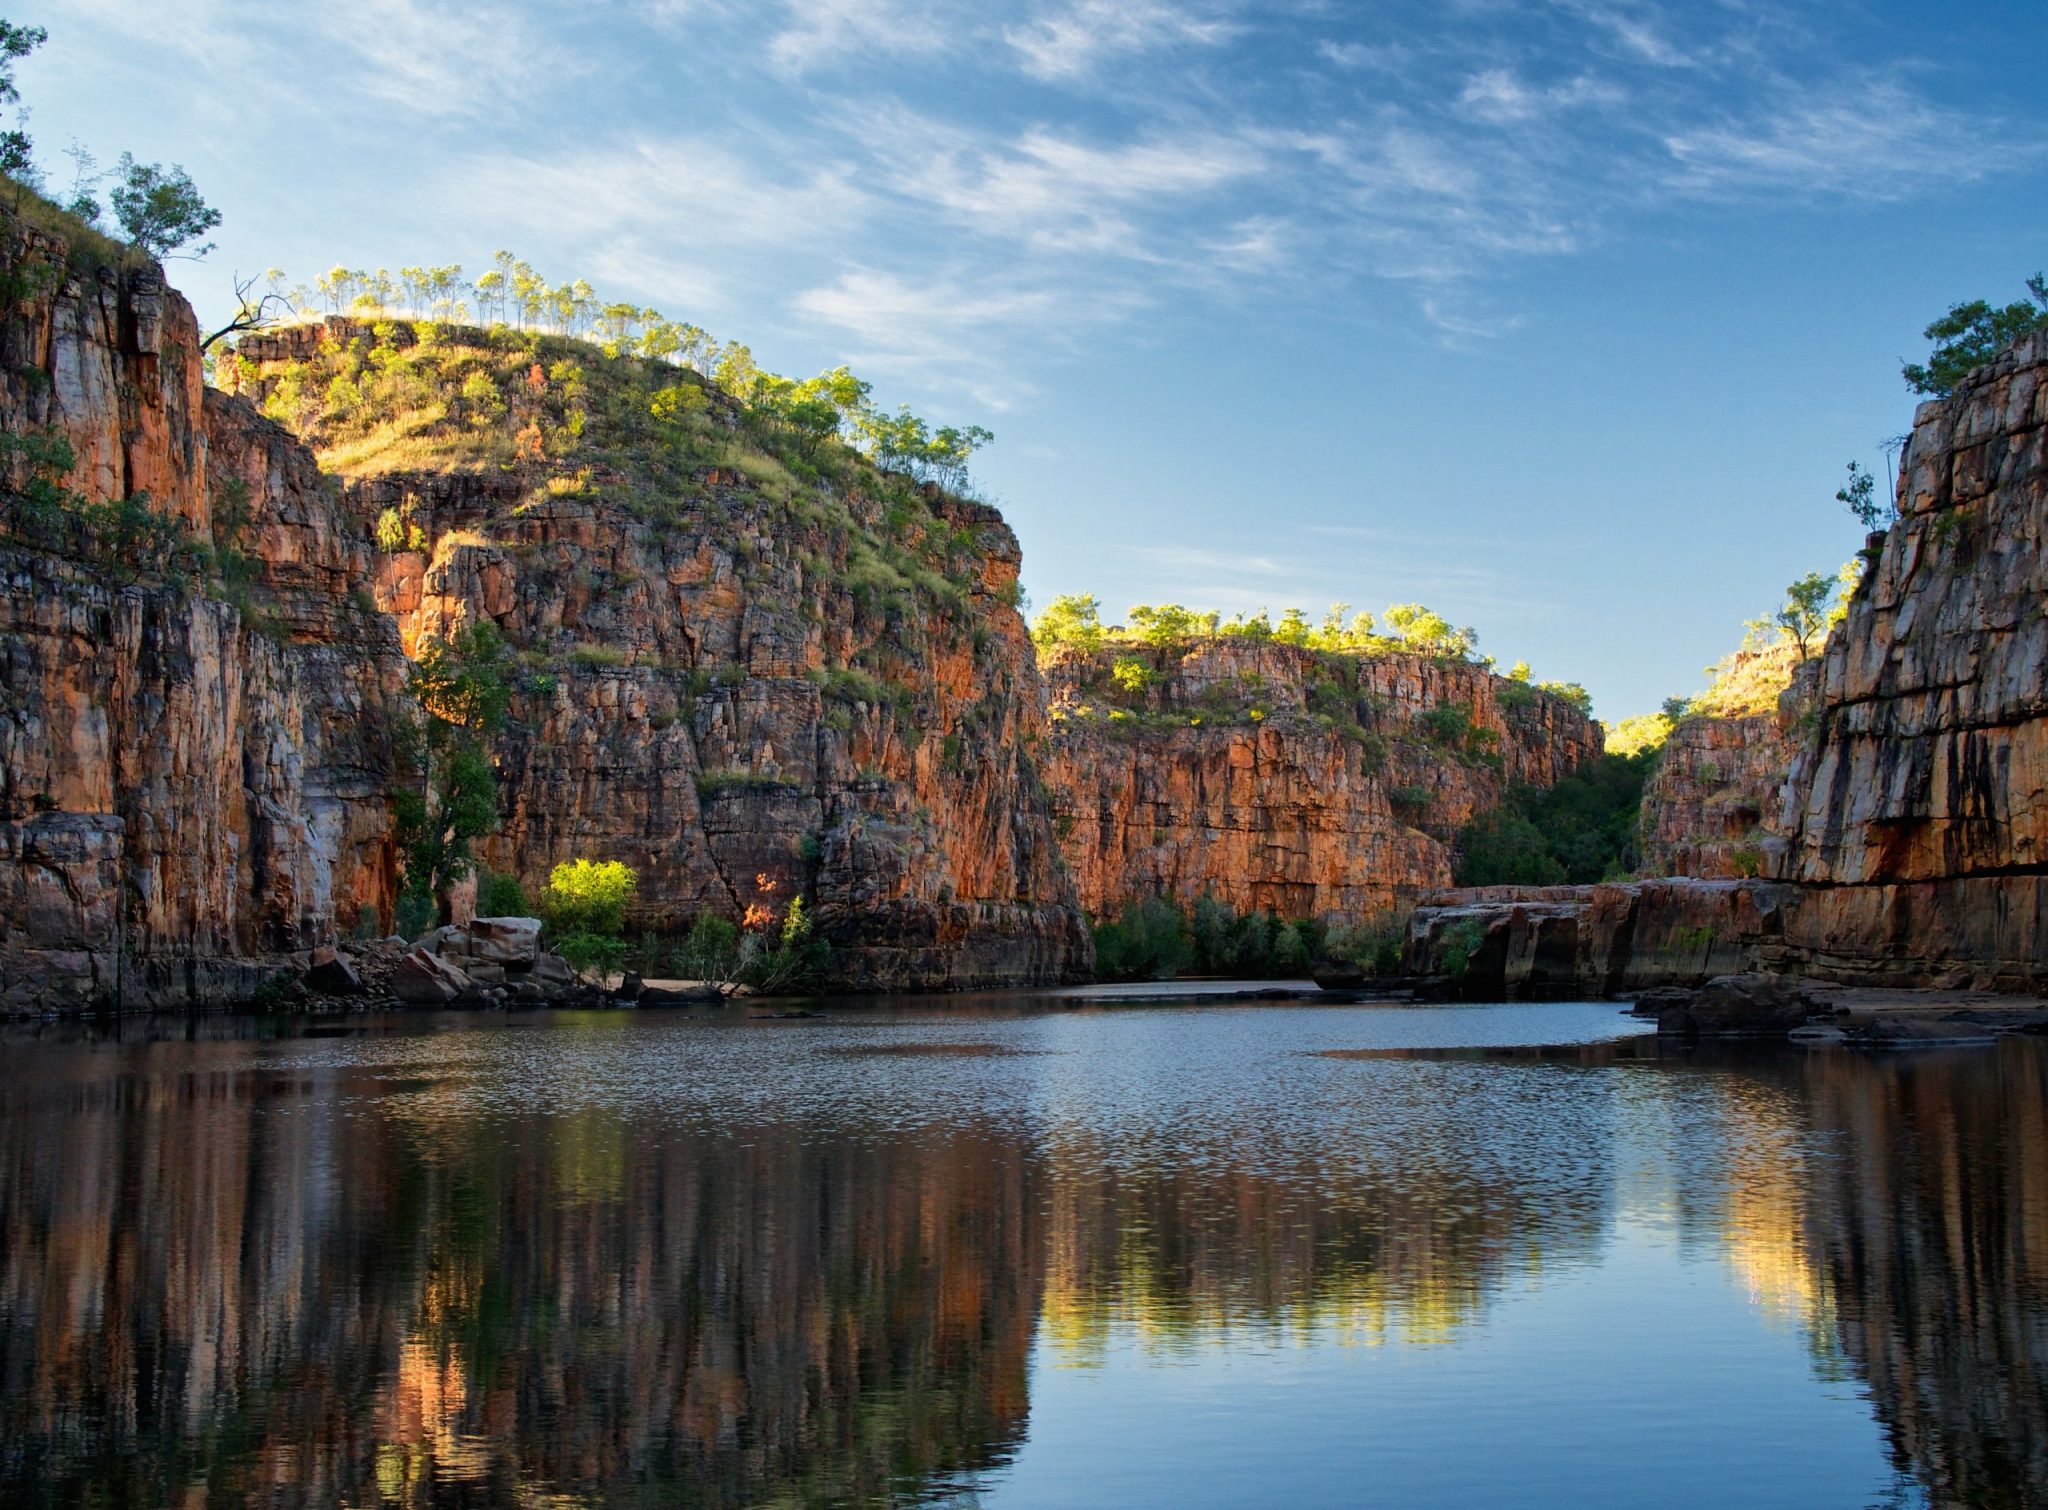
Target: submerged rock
[[1751, 1005]]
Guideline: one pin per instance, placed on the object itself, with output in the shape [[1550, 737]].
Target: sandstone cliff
[[1917, 810], [1312, 784], [729, 672], [1712, 799], [1909, 839], [186, 782]]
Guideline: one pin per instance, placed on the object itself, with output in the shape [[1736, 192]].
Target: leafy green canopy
[[1971, 334], [1073, 621], [459, 694], [1583, 829], [160, 209]]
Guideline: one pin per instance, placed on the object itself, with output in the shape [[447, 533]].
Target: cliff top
[[554, 420]]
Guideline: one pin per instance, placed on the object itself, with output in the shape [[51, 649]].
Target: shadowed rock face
[[1917, 808], [1339, 800], [1499, 943], [1909, 837]]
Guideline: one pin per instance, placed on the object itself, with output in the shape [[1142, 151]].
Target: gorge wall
[[1712, 800], [1916, 813], [187, 784], [1278, 778], [1899, 799], [738, 686]]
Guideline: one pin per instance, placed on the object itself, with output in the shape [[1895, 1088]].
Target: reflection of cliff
[[481, 1313], [1356, 1231], [1932, 1227], [321, 1285], [1898, 1208]]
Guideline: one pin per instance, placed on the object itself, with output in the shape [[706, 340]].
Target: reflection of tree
[[258, 1281]]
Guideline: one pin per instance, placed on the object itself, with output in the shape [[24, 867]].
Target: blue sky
[[1562, 317]]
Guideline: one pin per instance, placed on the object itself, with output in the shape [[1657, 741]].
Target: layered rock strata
[[195, 776], [1916, 815], [734, 688], [1713, 800], [1310, 784], [188, 784]]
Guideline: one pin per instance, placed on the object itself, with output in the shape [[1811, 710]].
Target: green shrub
[[711, 951], [501, 896], [1461, 942], [1148, 941], [1375, 946], [1582, 830], [711, 783], [590, 953], [588, 896], [416, 915], [1130, 675]]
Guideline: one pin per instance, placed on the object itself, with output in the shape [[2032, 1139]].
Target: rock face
[[194, 788], [1279, 778], [703, 728], [1713, 800], [187, 784], [1917, 810]]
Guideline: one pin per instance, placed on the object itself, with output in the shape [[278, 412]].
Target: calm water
[[1007, 1256]]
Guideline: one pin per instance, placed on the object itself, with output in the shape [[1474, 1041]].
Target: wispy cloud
[[817, 32], [937, 329], [1074, 39], [1864, 137]]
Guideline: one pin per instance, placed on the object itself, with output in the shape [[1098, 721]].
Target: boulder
[[630, 986], [484, 973], [445, 940], [1750, 1005], [505, 941], [333, 973], [1922, 1032], [424, 979], [1337, 974], [551, 972], [1651, 1003]]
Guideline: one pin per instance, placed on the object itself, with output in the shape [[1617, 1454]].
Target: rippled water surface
[[986, 1252]]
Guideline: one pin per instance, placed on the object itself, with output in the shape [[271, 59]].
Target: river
[[987, 1251]]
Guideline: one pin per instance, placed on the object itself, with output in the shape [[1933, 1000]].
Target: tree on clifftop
[[1804, 613], [1970, 335]]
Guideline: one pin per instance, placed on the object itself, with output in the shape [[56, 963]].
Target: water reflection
[[596, 1263]]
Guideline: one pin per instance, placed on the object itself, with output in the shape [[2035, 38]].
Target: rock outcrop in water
[[1309, 783]]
